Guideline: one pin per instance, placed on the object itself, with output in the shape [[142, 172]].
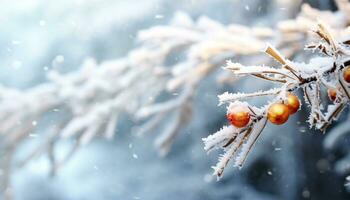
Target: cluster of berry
[[278, 113]]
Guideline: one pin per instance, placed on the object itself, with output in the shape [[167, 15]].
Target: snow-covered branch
[[171, 61], [327, 73]]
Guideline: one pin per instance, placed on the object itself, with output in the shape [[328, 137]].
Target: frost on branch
[[324, 73], [91, 100]]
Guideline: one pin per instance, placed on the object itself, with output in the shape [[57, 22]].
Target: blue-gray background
[[35, 33]]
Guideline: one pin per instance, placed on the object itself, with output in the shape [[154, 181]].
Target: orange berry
[[293, 103], [239, 116], [278, 113], [332, 94], [346, 74]]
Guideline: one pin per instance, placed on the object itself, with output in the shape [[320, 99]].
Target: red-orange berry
[[332, 94], [346, 74], [239, 116], [292, 103], [278, 113]]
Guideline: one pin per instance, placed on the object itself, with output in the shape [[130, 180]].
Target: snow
[[219, 137], [231, 97], [103, 95]]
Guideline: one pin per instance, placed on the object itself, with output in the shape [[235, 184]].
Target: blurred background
[[37, 36]]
